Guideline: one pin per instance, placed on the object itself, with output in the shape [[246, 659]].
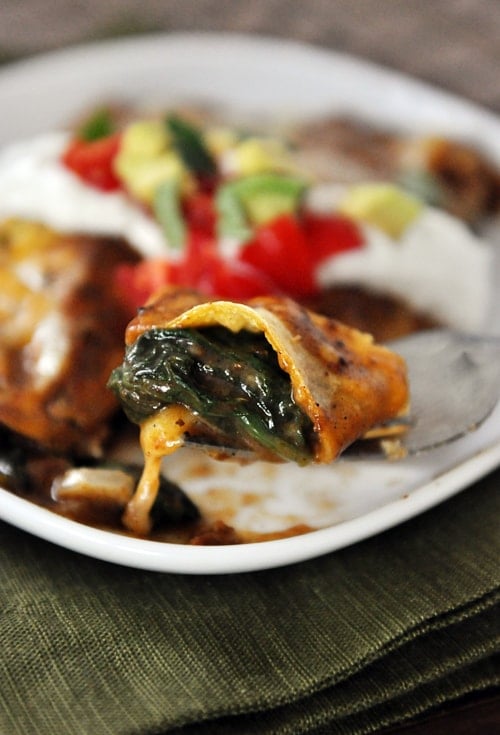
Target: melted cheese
[[160, 435]]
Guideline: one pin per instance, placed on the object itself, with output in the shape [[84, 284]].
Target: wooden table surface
[[454, 44]]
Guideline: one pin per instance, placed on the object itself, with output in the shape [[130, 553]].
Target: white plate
[[279, 80]]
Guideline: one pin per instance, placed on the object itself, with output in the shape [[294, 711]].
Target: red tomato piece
[[93, 161], [136, 283], [235, 280], [329, 234], [281, 251], [204, 269], [200, 214], [196, 260]]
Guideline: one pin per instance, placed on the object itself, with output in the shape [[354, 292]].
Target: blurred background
[[451, 43]]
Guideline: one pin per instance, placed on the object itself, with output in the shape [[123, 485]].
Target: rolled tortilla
[[344, 382]]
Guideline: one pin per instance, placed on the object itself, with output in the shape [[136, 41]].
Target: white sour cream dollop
[[34, 185], [438, 265]]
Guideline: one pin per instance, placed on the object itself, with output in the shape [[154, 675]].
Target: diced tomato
[[280, 258], [330, 234], [208, 183], [199, 253], [281, 251], [236, 280], [200, 214], [200, 268], [204, 269], [93, 161], [136, 283]]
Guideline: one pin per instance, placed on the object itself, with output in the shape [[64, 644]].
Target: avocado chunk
[[382, 205], [256, 200]]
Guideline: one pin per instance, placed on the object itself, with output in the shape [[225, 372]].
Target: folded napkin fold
[[347, 643]]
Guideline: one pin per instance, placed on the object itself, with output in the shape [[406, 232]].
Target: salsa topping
[[232, 206]]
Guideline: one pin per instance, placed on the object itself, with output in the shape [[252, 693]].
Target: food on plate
[[61, 329], [266, 376], [444, 172], [61, 335], [222, 211], [96, 220], [96, 493], [244, 204]]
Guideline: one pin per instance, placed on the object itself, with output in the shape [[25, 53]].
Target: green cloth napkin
[[347, 643]]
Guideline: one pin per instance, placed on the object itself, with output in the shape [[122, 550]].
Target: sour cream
[[34, 185], [438, 265]]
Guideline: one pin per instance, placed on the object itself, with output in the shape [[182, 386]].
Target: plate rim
[[10, 71], [61, 54], [159, 556]]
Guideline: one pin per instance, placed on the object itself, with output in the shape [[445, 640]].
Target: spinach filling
[[231, 382]]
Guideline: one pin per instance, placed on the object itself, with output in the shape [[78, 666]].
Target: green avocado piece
[[382, 205], [256, 200]]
